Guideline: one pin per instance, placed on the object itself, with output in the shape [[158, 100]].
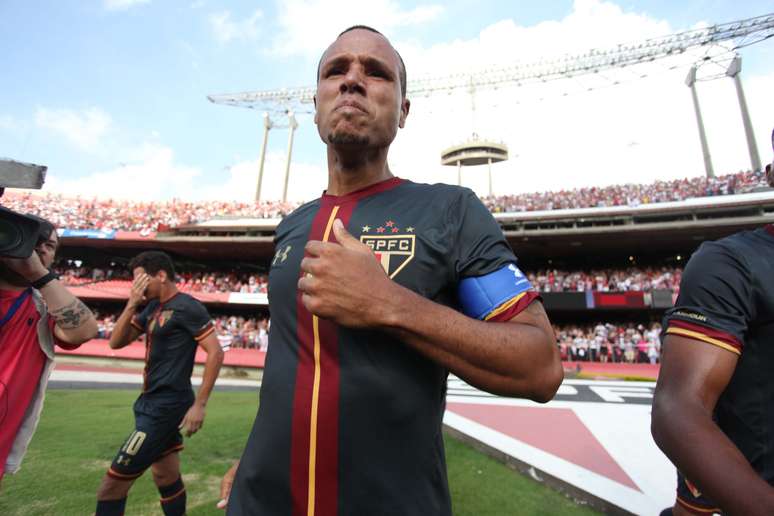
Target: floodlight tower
[[269, 124], [690, 81], [734, 71]]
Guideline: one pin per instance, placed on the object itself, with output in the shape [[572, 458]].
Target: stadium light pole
[[734, 71], [266, 127], [292, 125], [690, 81]]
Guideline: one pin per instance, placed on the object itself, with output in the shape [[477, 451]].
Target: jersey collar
[[381, 186]]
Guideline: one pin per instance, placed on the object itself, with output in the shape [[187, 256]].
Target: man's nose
[[352, 81]]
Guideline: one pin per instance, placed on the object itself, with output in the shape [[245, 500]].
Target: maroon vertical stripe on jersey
[[327, 476], [326, 460]]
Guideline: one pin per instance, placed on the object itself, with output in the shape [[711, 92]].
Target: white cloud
[[225, 29], [8, 123], [122, 5], [306, 181], [153, 175], [307, 27], [83, 129]]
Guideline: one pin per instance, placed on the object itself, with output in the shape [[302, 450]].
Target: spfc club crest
[[393, 247], [161, 319]]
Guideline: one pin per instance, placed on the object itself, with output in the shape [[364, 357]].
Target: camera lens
[[10, 236]]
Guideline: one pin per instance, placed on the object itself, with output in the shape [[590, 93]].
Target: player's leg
[[142, 447], [166, 475], [124, 470]]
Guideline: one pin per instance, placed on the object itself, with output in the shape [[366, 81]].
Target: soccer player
[[36, 313], [174, 324], [713, 412], [378, 290]]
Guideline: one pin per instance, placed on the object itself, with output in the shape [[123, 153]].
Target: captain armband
[[496, 296]]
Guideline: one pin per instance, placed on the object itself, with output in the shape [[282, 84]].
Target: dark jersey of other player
[[349, 420], [173, 329], [727, 300]]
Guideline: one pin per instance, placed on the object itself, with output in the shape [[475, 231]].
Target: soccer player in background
[[174, 324], [36, 313], [379, 289], [713, 411]]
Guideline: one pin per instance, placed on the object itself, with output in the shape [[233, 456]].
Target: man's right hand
[[137, 293], [226, 484]]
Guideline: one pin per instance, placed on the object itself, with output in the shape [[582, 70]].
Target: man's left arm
[[515, 358], [194, 418], [74, 323]]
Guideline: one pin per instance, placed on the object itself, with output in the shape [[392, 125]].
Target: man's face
[[153, 290], [47, 249], [358, 99]]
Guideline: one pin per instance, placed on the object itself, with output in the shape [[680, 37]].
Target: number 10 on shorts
[[134, 442]]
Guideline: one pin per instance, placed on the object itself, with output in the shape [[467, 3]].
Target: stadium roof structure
[[714, 46]]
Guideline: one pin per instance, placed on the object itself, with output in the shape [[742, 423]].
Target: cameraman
[[36, 312]]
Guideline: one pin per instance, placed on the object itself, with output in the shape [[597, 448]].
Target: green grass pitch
[[81, 429]]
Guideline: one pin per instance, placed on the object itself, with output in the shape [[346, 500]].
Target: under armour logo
[[281, 255]]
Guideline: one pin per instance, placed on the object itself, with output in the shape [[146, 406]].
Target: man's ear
[[405, 105], [314, 101]]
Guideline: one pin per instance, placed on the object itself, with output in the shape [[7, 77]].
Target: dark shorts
[[155, 435], [691, 499]]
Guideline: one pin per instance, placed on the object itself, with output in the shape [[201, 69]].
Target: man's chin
[[347, 138]]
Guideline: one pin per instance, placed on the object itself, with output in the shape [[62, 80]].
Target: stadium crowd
[[188, 281], [607, 280], [146, 217], [546, 280], [598, 342], [232, 331], [610, 342], [627, 194]]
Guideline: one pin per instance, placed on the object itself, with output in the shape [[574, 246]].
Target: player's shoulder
[[301, 216], [718, 255], [184, 300], [437, 192]]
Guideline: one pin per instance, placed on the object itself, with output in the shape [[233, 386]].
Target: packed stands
[[643, 279], [610, 342], [234, 332], [188, 281], [546, 280], [628, 194], [151, 217]]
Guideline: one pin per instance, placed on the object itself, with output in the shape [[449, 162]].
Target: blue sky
[[111, 94]]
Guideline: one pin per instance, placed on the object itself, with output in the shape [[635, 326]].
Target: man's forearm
[[211, 371], [122, 331], [507, 358], [73, 318], [707, 457]]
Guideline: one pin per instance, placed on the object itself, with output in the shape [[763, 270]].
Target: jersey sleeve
[[140, 321], [715, 304], [490, 286], [196, 320]]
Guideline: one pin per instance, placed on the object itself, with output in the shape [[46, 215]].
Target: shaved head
[[401, 64]]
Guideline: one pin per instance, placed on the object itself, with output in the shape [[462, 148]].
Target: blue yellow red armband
[[496, 296]]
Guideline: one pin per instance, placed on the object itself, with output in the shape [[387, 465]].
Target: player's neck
[[168, 291], [352, 170]]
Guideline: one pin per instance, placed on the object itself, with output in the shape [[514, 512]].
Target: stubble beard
[[346, 138]]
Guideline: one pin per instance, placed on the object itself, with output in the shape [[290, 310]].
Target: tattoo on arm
[[71, 316]]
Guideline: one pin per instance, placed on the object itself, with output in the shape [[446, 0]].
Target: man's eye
[[377, 73], [333, 71]]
